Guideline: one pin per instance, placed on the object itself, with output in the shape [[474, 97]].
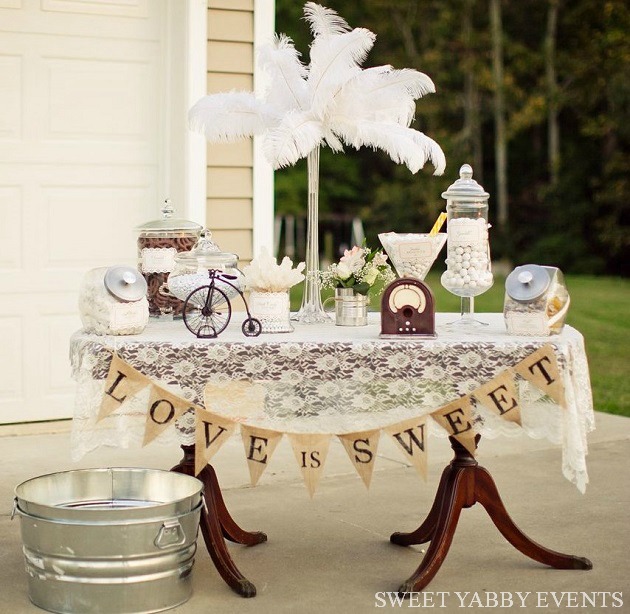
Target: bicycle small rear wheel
[[207, 312], [252, 327]]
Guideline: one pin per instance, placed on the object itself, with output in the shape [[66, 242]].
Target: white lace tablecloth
[[331, 379]]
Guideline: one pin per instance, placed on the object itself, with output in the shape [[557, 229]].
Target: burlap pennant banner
[[361, 448], [164, 409], [260, 444], [211, 432], [311, 451], [246, 400], [411, 437], [122, 383], [500, 396], [456, 419], [541, 369]]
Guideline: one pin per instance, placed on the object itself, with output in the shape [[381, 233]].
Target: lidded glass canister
[[159, 241], [536, 300], [191, 269]]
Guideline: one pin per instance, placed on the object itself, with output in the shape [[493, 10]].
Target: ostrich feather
[[281, 61], [297, 134], [324, 21], [334, 61], [383, 94], [231, 116], [403, 145]]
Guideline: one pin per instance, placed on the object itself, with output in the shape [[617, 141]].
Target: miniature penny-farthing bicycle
[[207, 309]]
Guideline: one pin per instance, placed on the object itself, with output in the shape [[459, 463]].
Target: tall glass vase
[[312, 310]]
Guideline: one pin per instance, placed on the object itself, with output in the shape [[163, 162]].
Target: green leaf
[[362, 288]]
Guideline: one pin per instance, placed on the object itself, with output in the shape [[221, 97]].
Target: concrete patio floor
[[332, 554]]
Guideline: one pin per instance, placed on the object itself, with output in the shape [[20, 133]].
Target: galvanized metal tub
[[109, 541]]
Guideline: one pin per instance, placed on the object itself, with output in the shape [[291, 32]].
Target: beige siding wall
[[230, 174]]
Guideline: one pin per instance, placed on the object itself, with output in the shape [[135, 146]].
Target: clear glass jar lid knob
[[525, 277], [129, 277]]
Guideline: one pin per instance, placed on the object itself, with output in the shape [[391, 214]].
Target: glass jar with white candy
[[468, 272]]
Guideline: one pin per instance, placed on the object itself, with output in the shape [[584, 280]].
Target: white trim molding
[[263, 197], [195, 189]]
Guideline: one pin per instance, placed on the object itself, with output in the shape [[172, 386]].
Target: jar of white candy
[[468, 272], [113, 301]]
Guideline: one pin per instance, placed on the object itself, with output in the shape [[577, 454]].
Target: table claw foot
[[405, 588], [246, 589], [581, 562], [398, 538]]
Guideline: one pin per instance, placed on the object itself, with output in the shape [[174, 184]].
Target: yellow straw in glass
[[438, 224]]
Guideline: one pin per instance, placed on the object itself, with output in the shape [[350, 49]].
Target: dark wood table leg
[[217, 523], [463, 484]]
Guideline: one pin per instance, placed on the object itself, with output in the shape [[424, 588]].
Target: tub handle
[[170, 534], [15, 508]]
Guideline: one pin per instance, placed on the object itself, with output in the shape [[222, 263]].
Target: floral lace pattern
[[333, 379]]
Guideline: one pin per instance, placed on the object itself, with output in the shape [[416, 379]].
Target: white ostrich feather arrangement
[[332, 101]]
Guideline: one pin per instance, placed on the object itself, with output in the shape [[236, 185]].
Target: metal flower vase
[[351, 308], [312, 309]]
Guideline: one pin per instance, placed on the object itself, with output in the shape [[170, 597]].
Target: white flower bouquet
[[359, 268]]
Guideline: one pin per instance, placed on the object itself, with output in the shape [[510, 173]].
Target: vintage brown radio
[[407, 309]]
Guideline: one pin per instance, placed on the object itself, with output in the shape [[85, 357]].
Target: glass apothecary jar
[[112, 301], [536, 300], [468, 271], [159, 241], [191, 269]]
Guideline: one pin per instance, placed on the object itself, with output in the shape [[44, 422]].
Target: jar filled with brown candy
[[159, 241]]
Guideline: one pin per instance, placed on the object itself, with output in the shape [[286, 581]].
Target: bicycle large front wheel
[[207, 312]]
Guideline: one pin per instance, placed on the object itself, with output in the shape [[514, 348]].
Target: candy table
[[324, 378]]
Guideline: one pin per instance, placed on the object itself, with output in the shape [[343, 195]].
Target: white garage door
[[81, 115]]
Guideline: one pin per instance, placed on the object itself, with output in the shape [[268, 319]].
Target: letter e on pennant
[[456, 419], [260, 444], [499, 395]]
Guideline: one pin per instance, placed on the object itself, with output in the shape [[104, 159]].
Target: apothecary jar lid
[[527, 282], [465, 188], [168, 223], [206, 254]]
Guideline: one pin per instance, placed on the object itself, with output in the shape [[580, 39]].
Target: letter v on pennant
[[122, 383], [411, 437], [211, 432]]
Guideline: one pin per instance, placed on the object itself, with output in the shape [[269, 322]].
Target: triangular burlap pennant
[[164, 408], [260, 444], [361, 448], [122, 383], [456, 419], [541, 369], [310, 452], [500, 396], [211, 432], [411, 437]]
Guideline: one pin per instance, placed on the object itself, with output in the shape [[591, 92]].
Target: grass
[[600, 310]]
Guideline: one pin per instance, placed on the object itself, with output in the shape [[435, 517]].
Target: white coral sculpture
[[264, 274], [332, 101]]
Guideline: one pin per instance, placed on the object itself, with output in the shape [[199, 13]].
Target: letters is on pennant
[[311, 450], [211, 432], [122, 383], [456, 419], [500, 396], [541, 369], [164, 408], [411, 437], [361, 448], [260, 444]]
